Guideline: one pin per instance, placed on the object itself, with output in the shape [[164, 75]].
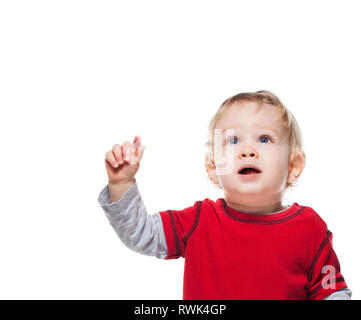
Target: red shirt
[[235, 255]]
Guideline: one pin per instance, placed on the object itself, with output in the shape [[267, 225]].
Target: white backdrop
[[76, 77]]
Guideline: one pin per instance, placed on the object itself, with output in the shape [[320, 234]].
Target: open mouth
[[249, 171]]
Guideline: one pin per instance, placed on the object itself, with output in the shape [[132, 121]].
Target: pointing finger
[[137, 141]]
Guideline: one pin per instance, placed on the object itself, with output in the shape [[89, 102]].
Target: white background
[[76, 77]]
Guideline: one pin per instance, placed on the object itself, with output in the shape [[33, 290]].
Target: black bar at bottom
[[170, 309]]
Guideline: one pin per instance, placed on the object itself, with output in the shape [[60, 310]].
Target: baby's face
[[244, 137]]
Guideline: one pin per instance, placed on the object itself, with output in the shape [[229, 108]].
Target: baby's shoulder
[[313, 223]]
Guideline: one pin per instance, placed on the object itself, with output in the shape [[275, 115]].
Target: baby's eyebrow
[[271, 129], [260, 128]]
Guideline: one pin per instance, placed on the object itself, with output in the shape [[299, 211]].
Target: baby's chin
[[254, 194], [249, 189]]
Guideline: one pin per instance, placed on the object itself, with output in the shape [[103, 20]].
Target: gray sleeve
[[343, 294], [138, 230]]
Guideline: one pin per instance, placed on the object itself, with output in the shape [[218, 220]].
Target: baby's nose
[[248, 153]]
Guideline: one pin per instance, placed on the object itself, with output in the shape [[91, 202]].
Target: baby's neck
[[267, 209]]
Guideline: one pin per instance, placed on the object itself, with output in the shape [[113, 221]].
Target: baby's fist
[[122, 162]]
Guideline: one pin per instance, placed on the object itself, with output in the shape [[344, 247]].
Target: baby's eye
[[263, 138], [232, 140]]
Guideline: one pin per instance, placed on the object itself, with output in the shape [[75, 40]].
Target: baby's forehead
[[250, 116]]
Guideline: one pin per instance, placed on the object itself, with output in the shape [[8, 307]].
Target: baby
[[247, 245]]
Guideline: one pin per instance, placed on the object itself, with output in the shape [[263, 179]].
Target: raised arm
[[123, 205]]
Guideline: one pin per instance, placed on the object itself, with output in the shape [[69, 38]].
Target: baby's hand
[[122, 162]]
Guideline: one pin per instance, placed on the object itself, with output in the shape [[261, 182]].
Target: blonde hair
[[261, 97]]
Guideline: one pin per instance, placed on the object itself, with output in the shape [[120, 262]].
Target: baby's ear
[[208, 162], [211, 168], [297, 164]]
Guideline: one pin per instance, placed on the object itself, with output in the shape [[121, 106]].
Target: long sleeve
[[138, 230]]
